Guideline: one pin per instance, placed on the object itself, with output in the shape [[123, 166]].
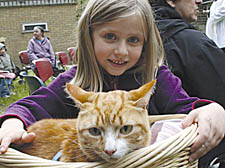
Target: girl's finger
[[28, 137], [6, 141]]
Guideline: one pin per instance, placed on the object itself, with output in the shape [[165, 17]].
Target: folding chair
[[72, 54], [44, 68], [64, 62], [24, 60], [34, 82]]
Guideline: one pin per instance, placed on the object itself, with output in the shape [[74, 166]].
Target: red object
[[63, 57], [44, 69], [24, 59], [72, 53]]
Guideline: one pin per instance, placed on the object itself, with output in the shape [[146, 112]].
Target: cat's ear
[[78, 94], [143, 94]]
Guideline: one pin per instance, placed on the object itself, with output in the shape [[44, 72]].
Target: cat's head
[[112, 124]]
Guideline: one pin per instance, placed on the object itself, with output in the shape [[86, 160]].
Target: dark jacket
[[192, 56], [196, 60]]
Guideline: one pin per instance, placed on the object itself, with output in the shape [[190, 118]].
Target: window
[[29, 27]]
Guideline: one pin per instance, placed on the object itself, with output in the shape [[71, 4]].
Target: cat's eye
[[94, 131], [126, 129]]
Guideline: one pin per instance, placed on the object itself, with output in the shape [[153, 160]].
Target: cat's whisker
[[74, 105]]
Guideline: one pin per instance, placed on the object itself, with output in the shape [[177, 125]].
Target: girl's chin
[[115, 74]]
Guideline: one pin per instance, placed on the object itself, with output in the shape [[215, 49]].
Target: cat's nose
[[110, 152]]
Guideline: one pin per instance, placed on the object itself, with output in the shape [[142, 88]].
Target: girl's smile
[[118, 44]]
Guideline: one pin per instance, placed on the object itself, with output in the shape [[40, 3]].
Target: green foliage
[[80, 8]]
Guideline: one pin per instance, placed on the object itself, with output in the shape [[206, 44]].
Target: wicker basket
[[170, 153]]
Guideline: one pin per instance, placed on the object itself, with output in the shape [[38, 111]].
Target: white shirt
[[215, 26]]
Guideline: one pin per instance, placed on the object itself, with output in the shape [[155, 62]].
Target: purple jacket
[[53, 102], [36, 50]]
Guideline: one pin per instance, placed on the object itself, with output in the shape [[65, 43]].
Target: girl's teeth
[[118, 62]]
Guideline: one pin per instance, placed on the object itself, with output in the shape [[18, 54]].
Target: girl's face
[[37, 33], [118, 44]]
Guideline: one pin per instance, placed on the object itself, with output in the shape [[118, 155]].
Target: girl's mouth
[[118, 62]]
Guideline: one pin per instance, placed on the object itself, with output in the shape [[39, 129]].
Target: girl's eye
[[126, 129], [94, 131], [133, 40], [110, 36]]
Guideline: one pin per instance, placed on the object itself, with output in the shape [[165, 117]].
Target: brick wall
[[61, 21]]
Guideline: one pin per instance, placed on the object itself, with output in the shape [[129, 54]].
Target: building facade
[[58, 17], [18, 17]]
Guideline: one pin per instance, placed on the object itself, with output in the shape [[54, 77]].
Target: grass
[[20, 90]]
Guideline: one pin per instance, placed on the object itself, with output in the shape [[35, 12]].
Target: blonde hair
[[89, 75]]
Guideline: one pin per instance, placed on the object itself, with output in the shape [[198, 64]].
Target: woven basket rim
[[171, 152]]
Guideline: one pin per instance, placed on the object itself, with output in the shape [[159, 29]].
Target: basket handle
[[154, 118]]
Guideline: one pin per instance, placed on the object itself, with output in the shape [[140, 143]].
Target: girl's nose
[[121, 49]]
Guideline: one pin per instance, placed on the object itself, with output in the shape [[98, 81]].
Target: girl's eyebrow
[[137, 33]]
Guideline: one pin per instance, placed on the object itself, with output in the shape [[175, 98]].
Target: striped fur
[[109, 125]]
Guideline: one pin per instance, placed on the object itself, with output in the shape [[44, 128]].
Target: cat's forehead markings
[[97, 121], [99, 118], [96, 104], [122, 103], [109, 106], [114, 104], [121, 120], [96, 98]]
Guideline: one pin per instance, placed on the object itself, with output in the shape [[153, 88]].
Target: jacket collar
[[113, 82], [169, 22]]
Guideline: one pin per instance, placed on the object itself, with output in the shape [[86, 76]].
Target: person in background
[[7, 66], [191, 55], [40, 47], [215, 26]]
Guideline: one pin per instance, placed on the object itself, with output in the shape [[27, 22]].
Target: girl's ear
[[79, 95], [171, 3]]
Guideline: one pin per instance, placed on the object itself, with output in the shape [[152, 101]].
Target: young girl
[[119, 47]]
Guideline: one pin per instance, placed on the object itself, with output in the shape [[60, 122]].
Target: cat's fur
[[109, 125]]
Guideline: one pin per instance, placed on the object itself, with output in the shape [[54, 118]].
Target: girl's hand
[[12, 132], [211, 128]]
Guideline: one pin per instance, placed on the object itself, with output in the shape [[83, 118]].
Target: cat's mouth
[[112, 159]]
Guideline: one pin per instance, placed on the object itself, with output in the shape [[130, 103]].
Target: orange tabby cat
[[109, 126]]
